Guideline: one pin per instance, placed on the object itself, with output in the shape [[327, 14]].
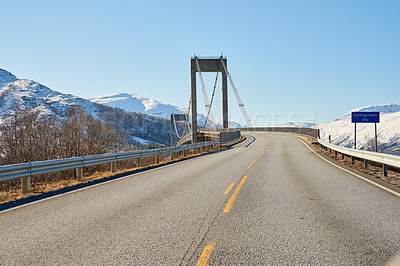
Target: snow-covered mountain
[[342, 130], [140, 104], [6, 77], [27, 95], [30, 95]]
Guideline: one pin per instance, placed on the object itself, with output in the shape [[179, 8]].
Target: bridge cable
[[187, 124], [212, 99], [239, 101], [188, 114], [176, 129]]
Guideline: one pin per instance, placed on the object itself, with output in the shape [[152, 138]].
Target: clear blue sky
[[286, 57]]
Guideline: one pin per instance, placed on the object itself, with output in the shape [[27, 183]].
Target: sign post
[[355, 136], [365, 117], [376, 140]]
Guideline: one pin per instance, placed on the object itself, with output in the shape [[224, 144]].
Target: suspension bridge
[[273, 199], [191, 131]]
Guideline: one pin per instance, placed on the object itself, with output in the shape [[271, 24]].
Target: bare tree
[[28, 136], [83, 135], [24, 139]]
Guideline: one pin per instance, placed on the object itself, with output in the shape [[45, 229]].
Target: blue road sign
[[364, 117]]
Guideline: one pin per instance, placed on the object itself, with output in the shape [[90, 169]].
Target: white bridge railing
[[26, 170]]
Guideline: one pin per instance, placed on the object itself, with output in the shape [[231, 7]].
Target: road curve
[[272, 201]]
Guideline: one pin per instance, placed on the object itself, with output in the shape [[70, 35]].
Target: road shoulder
[[356, 172]]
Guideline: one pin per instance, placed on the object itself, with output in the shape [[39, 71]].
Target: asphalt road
[[287, 206]]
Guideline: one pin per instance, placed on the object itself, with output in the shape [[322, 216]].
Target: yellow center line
[[255, 160], [229, 188], [252, 163], [205, 256], [234, 195]]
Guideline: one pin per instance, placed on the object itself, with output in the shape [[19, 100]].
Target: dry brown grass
[[11, 190]]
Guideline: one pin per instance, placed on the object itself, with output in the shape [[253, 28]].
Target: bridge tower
[[208, 65]]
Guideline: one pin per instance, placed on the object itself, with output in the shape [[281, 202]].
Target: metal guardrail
[[26, 170], [210, 133], [382, 158]]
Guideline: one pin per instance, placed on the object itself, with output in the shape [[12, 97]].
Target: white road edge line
[[92, 186], [363, 178]]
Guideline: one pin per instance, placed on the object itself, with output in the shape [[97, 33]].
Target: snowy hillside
[[5, 78], [384, 108], [342, 130], [140, 104], [22, 94]]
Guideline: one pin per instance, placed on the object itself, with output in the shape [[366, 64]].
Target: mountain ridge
[[141, 104], [137, 103], [383, 108], [6, 77], [31, 96]]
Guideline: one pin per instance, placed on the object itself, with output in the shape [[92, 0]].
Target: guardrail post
[[384, 169], [79, 173], [184, 153], [352, 160], [335, 154], [139, 162], [342, 156], [157, 159], [26, 184], [113, 167], [172, 156], [365, 164]]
